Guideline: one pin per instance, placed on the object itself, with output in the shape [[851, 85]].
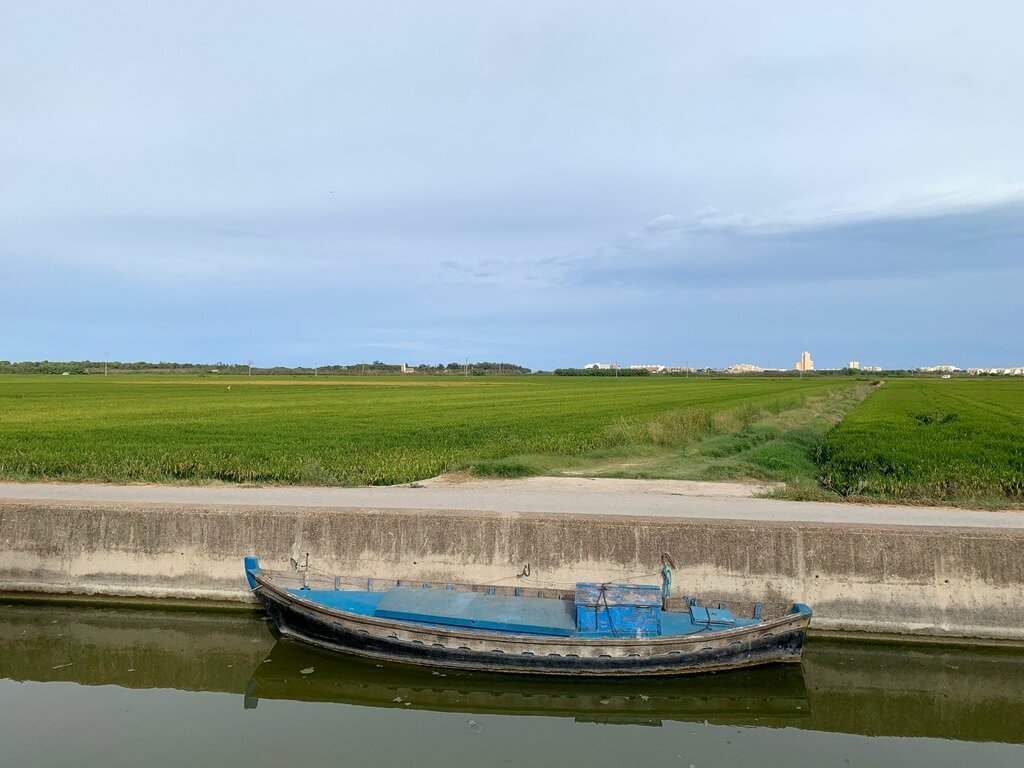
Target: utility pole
[[250, 367], [466, 369]]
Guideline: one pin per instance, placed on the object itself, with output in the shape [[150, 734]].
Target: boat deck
[[476, 610], [513, 614]]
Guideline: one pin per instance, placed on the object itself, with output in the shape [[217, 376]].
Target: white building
[[651, 368], [853, 365], [1018, 371], [937, 369], [745, 368], [805, 363]]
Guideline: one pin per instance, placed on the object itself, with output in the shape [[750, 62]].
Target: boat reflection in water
[[873, 689], [771, 696]]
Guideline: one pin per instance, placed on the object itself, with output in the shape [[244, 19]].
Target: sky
[[549, 183]]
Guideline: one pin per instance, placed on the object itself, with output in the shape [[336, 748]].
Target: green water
[[96, 687]]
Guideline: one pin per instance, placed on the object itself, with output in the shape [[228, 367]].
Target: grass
[[351, 431], [769, 440], [955, 441]]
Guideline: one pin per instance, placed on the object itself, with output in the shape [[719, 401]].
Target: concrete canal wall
[[943, 581]]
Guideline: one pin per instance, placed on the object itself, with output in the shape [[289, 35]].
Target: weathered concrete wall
[[935, 581]]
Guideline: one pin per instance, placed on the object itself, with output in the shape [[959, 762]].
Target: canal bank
[[938, 580]]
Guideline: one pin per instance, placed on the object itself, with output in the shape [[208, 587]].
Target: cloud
[[666, 221], [951, 234], [798, 216]]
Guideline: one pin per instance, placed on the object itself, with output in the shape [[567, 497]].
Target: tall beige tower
[[805, 363]]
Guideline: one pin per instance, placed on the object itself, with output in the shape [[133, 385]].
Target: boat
[[595, 629]]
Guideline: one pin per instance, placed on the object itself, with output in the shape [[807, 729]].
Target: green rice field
[[958, 441], [931, 440], [342, 431]]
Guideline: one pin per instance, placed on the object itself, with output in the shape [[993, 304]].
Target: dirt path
[[559, 485], [539, 495]]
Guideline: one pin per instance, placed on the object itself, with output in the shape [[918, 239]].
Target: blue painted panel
[[619, 620], [523, 615], [251, 566], [363, 603], [679, 623], [619, 610], [702, 615], [617, 594]]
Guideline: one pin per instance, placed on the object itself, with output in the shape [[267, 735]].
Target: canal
[[104, 687]]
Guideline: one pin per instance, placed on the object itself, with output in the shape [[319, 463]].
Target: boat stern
[[252, 567]]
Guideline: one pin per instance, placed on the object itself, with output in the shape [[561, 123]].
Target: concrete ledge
[[934, 581]]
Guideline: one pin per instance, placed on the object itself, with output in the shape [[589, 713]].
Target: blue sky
[[550, 183]]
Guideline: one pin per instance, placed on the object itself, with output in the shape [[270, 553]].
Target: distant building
[[805, 363], [853, 365], [938, 369], [650, 368], [1018, 371], [406, 369], [745, 368], [600, 366], [872, 369]]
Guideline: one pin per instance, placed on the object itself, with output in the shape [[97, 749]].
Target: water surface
[[100, 687]]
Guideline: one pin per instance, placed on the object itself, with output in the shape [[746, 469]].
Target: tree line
[[602, 372], [375, 368]]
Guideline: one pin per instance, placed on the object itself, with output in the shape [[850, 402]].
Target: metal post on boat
[[667, 565], [305, 573]]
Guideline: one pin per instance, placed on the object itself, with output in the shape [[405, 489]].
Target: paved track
[[654, 498]]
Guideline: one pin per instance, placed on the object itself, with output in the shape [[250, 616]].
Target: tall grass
[[680, 427]]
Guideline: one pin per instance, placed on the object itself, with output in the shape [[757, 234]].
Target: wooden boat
[[596, 629]]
